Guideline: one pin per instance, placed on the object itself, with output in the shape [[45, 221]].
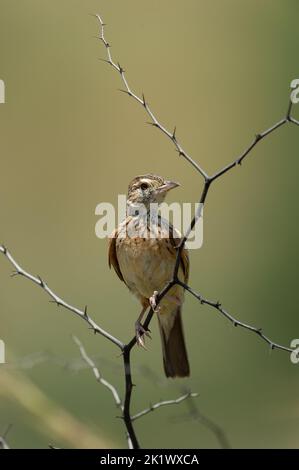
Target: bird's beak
[[167, 186]]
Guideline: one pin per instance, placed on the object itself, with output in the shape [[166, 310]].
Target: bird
[[143, 251]]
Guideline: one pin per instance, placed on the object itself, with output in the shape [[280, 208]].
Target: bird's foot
[[153, 301], [141, 332]]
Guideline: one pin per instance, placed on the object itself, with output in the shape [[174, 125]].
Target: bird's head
[[149, 189]]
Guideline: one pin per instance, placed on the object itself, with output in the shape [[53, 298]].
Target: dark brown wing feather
[[112, 257]]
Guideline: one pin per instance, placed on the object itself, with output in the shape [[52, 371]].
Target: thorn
[[55, 302], [258, 137], [121, 70], [181, 153], [14, 273], [235, 324], [174, 133], [259, 331], [272, 346], [4, 249], [93, 328], [239, 162], [105, 60], [85, 311], [42, 284], [125, 91], [154, 124], [217, 304], [143, 98]]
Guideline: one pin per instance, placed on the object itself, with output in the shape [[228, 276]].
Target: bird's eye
[[144, 186]]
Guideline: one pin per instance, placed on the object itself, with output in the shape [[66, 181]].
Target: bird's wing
[[112, 256], [185, 263]]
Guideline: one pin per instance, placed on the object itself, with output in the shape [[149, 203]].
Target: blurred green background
[[220, 71]]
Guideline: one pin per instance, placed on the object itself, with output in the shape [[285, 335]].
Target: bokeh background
[[220, 71]]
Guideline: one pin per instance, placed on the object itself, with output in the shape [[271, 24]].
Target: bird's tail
[[175, 357]]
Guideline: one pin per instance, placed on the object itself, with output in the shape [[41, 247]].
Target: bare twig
[[19, 271], [126, 349], [141, 100], [258, 137], [3, 443], [89, 361], [160, 404], [217, 305], [97, 373], [294, 121], [172, 135], [194, 413]]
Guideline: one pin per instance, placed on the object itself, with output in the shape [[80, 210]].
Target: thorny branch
[[126, 349], [3, 443], [19, 271], [193, 411], [89, 361], [154, 407], [91, 364], [208, 180], [141, 100], [97, 373], [234, 321]]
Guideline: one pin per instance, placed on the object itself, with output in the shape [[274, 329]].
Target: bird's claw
[[153, 301], [140, 333]]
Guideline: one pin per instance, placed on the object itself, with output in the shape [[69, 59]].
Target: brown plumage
[[145, 264]]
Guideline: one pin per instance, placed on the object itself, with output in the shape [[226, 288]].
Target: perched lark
[[142, 251]]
